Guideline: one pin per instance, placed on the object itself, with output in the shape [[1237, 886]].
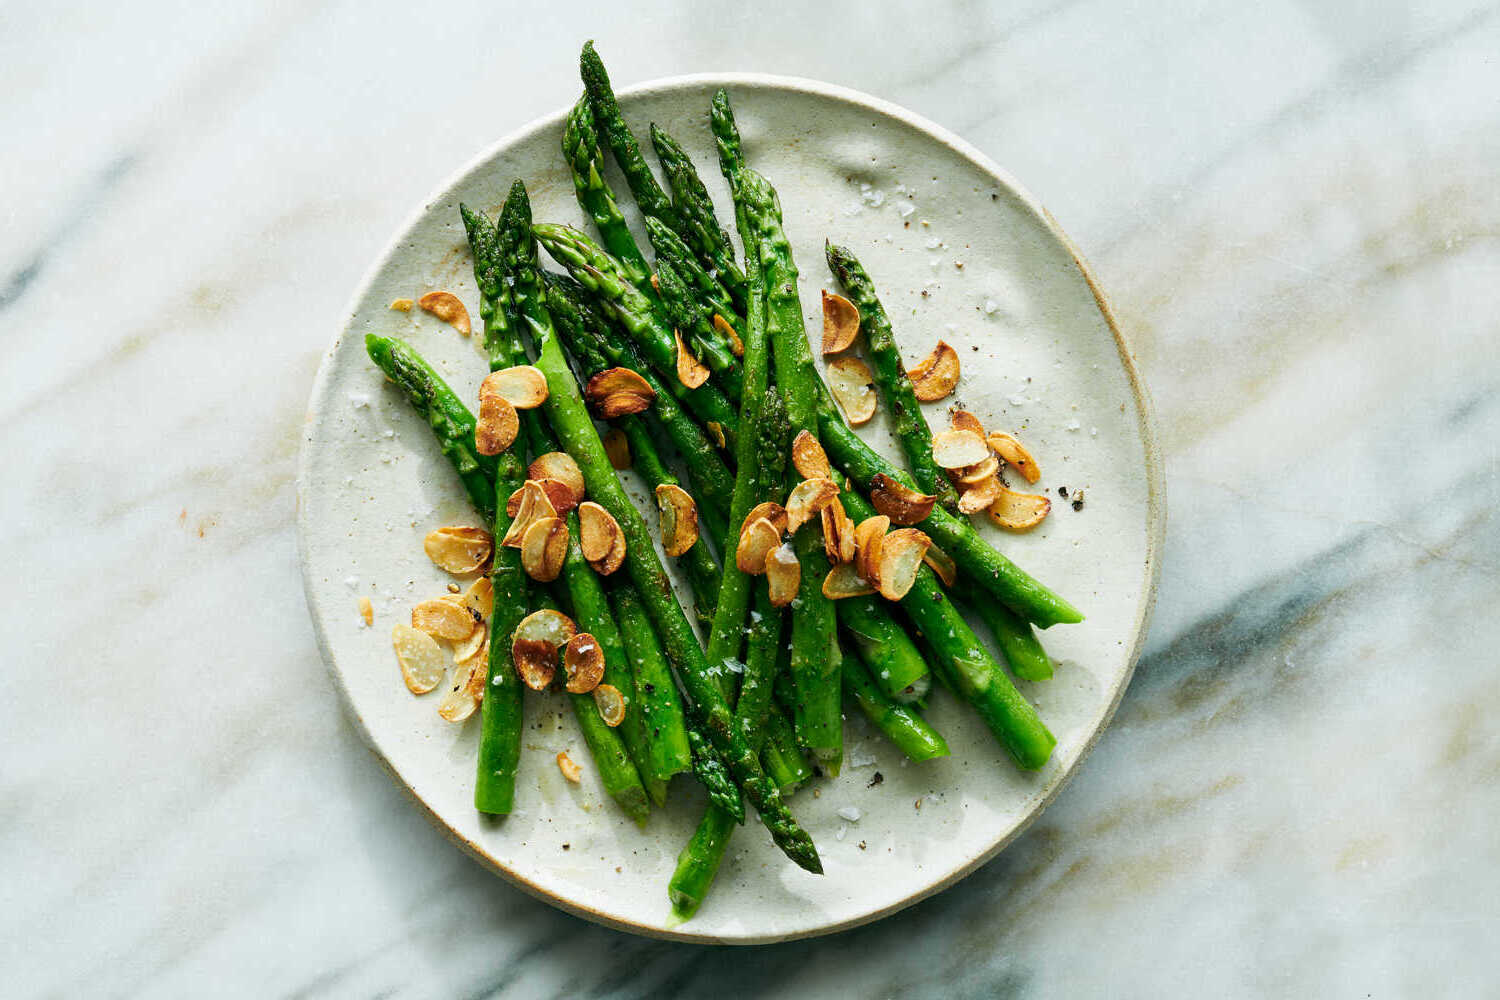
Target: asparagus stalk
[[666, 733], [895, 663], [1019, 644], [973, 671], [649, 196], [501, 708], [900, 723], [602, 275], [910, 427], [701, 226], [445, 413], [580, 145], [669, 247], [617, 772], [784, 763], [571, 421], [686, 313], [816, 712]]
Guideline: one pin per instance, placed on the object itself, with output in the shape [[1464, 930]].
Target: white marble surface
[[1294, 210]]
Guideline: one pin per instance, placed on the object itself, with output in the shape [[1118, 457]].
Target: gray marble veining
[[1294, 209]]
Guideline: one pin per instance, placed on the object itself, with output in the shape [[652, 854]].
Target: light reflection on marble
[[1294, 210]]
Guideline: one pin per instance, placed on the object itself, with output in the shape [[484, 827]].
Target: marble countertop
[[1294, 210]]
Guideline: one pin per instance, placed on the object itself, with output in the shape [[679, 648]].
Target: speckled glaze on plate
[[960, 252]]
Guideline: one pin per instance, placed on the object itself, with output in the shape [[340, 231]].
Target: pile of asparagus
[[754, 711]]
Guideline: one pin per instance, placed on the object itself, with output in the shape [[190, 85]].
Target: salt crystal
[[1093, 432], [858, 758], [905, 209], [359, 400], [352, 582], [843, 832], [874, 198], [1017, 400], [990, 307], [934, 243], [1073, 425], [849, 812]]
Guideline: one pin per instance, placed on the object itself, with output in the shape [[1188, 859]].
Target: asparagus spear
[[696, 209], [648, 193], [445, 413], [591, 610], [602, 275], [816, 657], [571, 421], [900, 723], [894, 660], [580, 145], [785, 764], [669, 247], [666, 733], [617, 772], [501, 708], [910, 427], [731, 161], [686, 313], [1013, 634], [968, 663]]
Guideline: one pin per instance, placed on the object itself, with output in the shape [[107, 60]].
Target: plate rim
[[1146, 426]]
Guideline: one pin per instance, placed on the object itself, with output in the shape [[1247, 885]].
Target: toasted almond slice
[[852, 384], [583, 662], [497, 427], [956, 449], [443, 619], [559, 465], [771, 511], [610, 703], [570, 770], [480, 598], [783, 575], [615, 380], [544, 548], [617, 447], [900, 560], [522, 386], [534, 505], [465, 649], [402, 305], [807, 498], [457, 549], [844, 581], [535, 643], [963, 420], [614, 559], [976, 497], [935, 375], [366, 611], [447, 307], [463, 693], [597, 531], [971, 475], [421, 658], [1019, 511], [840, 323], [869, 537], [690, 371], [942, 564], [756, 542], [899, 502], [736, 345], [679, 519], [1015, 455], [623, 404], [809, 458], [715, 432]]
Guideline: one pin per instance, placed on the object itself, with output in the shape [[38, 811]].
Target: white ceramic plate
[[1041, 358]]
